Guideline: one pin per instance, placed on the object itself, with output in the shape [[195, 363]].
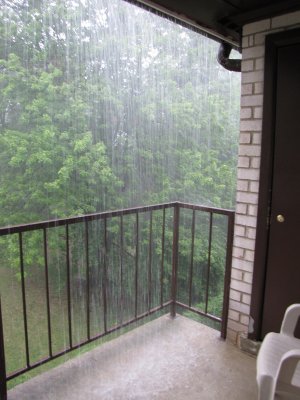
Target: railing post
[[3, 386], [227, 276], [175, 259]]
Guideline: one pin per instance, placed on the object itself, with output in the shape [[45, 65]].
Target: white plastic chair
[[278, 368]]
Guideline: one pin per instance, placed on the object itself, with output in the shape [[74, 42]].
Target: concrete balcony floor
[[176, 359]]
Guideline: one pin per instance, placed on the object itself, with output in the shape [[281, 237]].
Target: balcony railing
[[116, 268]]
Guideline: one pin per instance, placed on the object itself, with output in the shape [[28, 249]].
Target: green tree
[[104, 105]]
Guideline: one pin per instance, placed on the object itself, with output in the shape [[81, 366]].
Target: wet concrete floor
[[174, 359]]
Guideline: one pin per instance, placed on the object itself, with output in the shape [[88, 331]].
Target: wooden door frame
[[273, 42]]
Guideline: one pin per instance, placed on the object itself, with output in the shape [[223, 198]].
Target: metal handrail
[[8, 230], [172, 302]]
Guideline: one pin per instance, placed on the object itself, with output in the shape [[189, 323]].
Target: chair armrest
[[288, 365], [290, 320]]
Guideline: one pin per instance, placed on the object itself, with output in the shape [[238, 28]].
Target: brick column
[[253, 50]]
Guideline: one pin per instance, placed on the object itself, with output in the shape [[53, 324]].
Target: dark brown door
[[282, 281]]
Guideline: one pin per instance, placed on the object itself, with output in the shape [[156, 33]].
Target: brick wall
[[248, 167]]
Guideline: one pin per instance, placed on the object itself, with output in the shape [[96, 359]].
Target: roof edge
[[234, 40]]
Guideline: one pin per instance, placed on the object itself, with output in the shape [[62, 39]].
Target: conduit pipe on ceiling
[[231, 64]]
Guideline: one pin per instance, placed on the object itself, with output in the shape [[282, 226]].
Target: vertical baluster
[[121, 268], [47, 292], [69, 285], [3, 384], [137, 253], [192, 259], [88, 320], [162, 258], [175, 259], [208, 262], [104, 279], [150, 262], [24, 299]]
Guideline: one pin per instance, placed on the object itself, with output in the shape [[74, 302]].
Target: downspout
[[223, 58]]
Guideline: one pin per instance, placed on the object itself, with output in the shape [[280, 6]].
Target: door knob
[[280, 218]]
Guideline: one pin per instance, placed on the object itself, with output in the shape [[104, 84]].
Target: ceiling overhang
[[222, 20]]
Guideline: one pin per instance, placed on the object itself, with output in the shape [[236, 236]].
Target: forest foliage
[[104, 105]]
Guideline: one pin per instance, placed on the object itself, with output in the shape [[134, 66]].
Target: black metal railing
[[146, 259]]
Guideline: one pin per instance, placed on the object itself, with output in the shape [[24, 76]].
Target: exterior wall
[[248, 167]]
